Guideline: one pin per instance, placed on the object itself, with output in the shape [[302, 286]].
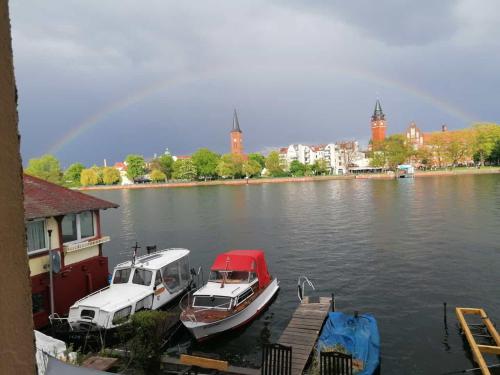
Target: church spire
[[378, 114], [236, 123]]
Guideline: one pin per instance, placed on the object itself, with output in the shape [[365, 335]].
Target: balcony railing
[[83, 245]]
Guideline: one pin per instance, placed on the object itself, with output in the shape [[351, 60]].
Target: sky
[[103, 79]]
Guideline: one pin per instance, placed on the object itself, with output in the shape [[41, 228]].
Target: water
[[398, 249]]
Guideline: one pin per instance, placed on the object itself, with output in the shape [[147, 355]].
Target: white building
[[308, 155]]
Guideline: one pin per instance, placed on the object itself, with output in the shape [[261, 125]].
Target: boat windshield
[[232, 277], [212, 302], [121, 276], [142, 276]]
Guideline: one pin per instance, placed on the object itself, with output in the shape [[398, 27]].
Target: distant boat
[[238, 289], [356, 335], [148, 283]]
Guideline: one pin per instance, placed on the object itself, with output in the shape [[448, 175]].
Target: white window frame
[[46, 237], [79, 230]]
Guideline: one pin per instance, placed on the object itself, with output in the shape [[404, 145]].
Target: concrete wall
[[17, 351]]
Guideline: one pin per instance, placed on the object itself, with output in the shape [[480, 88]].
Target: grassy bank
[[277, 180]]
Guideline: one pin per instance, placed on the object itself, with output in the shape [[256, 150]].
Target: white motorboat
[[148, 283], [238, 289]]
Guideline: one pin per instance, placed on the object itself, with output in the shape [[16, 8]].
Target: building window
[[36, 236], [38, 302], [77, 227]]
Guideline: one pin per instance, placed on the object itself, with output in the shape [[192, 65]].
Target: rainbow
[[106, 111]]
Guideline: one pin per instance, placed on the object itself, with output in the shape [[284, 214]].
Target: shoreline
[[280, 180]]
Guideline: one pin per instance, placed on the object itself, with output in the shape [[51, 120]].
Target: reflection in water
[[395, 248]]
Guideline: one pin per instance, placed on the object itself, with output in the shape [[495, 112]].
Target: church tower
[[236, 136], [378, 124]]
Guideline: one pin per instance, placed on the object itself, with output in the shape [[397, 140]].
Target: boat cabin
[[150, 282], [66, 223], [235, 277]]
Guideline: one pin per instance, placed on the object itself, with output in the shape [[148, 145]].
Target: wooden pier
[[303, 330], [479, 349]]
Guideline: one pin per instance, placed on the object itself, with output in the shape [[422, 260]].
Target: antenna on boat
[[224, 274], [135, 247]]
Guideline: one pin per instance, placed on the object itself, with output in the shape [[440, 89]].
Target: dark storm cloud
[[297, 71], [395, 22]]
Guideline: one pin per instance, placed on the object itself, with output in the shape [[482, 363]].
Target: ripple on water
[[398, 249]]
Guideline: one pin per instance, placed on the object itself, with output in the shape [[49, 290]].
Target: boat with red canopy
[[238, 289]]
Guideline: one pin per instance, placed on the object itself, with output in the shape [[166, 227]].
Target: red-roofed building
[[68, 223]]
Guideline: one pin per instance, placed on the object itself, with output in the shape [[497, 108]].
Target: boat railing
[[56, 318], [301, 283]]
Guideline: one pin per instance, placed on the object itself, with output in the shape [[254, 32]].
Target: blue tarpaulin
[[357, 335]]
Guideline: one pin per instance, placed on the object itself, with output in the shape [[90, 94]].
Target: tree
[[297, 169], [46, 167], [230, 165], [72, 175], [458, 146], [273, 164], [485, 137], [136, 166], [164, 163], [320, 167], [89, 177], [184, 169], [251, 168], [100, 174], [259, 158], [397, 151], [494, 157], [110, 176], [157, 176], [378, 159], [206, 163]]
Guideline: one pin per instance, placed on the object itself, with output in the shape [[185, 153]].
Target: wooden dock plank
[[302, 331]]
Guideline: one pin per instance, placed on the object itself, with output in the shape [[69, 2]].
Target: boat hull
[[202, 331]]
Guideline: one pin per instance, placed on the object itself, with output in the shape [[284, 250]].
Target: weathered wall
[[79, 255], [16, 324]]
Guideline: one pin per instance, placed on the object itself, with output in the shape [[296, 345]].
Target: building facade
[[236, 136], [308, 155], [378, 125], [68, 223], [414, 136]]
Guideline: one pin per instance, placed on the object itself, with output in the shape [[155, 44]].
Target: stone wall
[[17, 352]]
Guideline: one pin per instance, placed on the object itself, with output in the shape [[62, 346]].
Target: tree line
[[204, 164], [479, 144]]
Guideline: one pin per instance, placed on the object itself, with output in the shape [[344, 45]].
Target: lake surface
[[397, 249]]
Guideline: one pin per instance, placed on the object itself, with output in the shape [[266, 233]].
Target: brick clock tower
[[378, 124], [236, 136]]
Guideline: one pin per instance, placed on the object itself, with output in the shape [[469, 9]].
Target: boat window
[[87, 314], [122, 315], [243, 296], [121, 276], [142, 276], [170, 275], [184, 270], [214, 302], [232, 277], [144, 304], [158, 279]]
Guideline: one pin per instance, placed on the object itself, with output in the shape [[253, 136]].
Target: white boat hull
[[201, 330]]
